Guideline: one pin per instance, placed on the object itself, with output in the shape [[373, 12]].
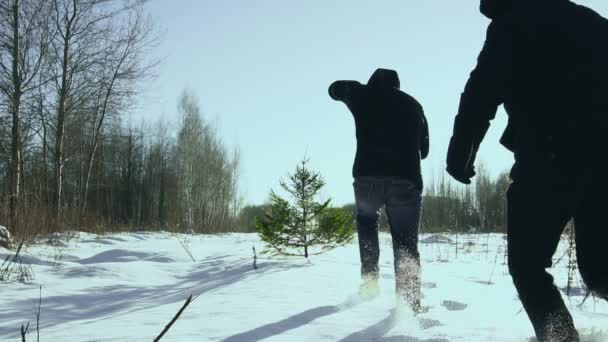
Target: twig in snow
[[24, 331], [586, 297], [38, 316], [494, 267], [186, 248], [24, 270], [188, 301], [7, 265], [8, 256], [255, 259]]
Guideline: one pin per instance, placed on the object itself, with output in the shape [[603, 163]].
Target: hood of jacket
[[494, 8], [384, 78]]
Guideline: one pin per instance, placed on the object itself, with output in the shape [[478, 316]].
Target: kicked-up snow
[[127, 287]]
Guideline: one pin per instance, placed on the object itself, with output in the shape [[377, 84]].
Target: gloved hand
[[460, 160]]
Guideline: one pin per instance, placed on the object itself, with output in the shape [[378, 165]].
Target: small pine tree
[[292, 229]]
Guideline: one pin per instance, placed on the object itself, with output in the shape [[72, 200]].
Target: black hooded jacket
[[392, 132], [547, 62]]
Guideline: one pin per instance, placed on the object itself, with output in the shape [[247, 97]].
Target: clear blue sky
[[261, 71]]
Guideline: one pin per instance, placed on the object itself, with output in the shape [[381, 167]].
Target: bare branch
[[175, 318]]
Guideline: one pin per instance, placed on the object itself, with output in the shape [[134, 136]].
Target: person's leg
[[368, 198], [591, 233], [403, 207], [537, 213]]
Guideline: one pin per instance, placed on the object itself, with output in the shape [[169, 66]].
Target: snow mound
[[437, 238], [25, 259], [6, 240], [90, 271], [122, 255]]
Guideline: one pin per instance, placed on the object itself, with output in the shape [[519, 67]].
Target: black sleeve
[[424, 136], [486, 86], [345, 91]]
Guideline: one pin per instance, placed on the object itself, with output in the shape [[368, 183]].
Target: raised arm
[[345, 91], [482, 95]]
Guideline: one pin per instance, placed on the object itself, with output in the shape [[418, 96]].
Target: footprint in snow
[[427, 323], [453, 305]]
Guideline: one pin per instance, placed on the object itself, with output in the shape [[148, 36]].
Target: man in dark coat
[[546, 61], [392, 137]]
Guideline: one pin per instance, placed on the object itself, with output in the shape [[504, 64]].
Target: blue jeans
[[403, 202]]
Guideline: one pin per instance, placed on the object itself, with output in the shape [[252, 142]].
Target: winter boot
[[369, 288]]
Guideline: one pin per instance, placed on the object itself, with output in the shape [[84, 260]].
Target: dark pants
[[402, 200], [540, 204]]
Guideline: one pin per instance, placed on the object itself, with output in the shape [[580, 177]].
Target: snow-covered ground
[[126, 287]]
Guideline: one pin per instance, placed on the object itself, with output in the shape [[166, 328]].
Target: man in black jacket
[[392, 137], [547, 62]]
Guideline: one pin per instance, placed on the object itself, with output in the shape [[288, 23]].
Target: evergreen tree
[[293, 228]]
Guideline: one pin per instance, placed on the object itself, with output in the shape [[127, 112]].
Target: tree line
[[458, 208], [447, 207], [70, 73]]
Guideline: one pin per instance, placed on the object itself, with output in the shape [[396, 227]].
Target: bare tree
[[122, 68], [81, 25], [69, 72], [189, 149], [23, 40], [207, 176]]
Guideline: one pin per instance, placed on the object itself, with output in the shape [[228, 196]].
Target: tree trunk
[[45, 170], [59, 158], [161, 200], [44, 183], [96, 134], [62, 113], [129, 191], [85, 194], [16, 129]]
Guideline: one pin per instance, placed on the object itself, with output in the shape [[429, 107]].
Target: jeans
[[403, 202]]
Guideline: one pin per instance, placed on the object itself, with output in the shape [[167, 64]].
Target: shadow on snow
[[104, 302]]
